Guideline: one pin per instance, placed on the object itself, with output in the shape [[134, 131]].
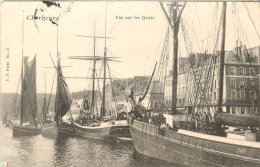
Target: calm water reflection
[[39, 151]]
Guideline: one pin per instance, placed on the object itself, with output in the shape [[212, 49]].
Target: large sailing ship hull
[[191, 150], [105, 131], [25, 131], [58, 130]]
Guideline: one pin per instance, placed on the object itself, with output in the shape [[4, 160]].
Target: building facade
[[137, 85], [198, 82]]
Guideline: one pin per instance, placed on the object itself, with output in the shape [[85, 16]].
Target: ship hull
[[25, 131], [173, 147], [58, 130], [105, 131]]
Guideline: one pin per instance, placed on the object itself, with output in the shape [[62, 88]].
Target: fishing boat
[[63, 101], [196, 147], [28, 101], [28, 124], [94, 122]]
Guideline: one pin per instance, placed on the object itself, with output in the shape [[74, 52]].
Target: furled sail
[[238, 120], [29, 102], [63, 98]]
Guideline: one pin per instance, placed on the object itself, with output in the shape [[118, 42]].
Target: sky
[[137, 41]]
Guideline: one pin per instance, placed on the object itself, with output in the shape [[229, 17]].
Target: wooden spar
[[89, 36], [98, 58], [22, 80], [174, 24], [58, 119], [103, 109], [58, 77], [175, 58], [34, 115], [142, 98], [60, 66], [91, 57], [94, 71], [89, 78], [222, 59], [44, 100]]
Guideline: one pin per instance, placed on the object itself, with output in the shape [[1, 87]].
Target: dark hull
[[109, 133], [57, 130], [189, 150], [25, 131]]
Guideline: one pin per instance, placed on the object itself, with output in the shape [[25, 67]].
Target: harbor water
[[38, 151]]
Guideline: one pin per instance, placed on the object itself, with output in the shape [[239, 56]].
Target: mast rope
[[251, 19], [48, 104]]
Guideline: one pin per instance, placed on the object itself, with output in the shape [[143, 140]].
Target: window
[[233, 95], [238, 95], [245, 71], [242, 92], [251, 71], [232, 70], [254, 110], [233, 82], [249, 111], [242, 110], [242, 82], [252, 82], [155, 105], [241, 71], [233, 110], [215, 95], [252, 94]]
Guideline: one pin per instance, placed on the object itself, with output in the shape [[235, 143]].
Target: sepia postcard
[[129, 83]]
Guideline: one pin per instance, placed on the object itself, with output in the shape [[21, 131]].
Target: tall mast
[[44, 100], [58, 75], [175, 28], [222, 58], [174, 20], [175, 57], [103, 111], [22, 82], [94, 71]]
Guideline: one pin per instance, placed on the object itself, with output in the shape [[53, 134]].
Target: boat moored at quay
[[192, 148], [206, 140]]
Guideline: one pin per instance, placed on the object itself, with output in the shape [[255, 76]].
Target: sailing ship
[[191, 147], [63, 102], [28, 101], [93, 122], [28, 124]]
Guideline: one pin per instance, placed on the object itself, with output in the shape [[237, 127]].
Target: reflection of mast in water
[[62, 151]]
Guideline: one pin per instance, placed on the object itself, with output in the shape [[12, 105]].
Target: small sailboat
[[28, 124], [28, 101], [63, 102]]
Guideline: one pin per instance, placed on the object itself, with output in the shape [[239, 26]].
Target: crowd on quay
[[198, 122]]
